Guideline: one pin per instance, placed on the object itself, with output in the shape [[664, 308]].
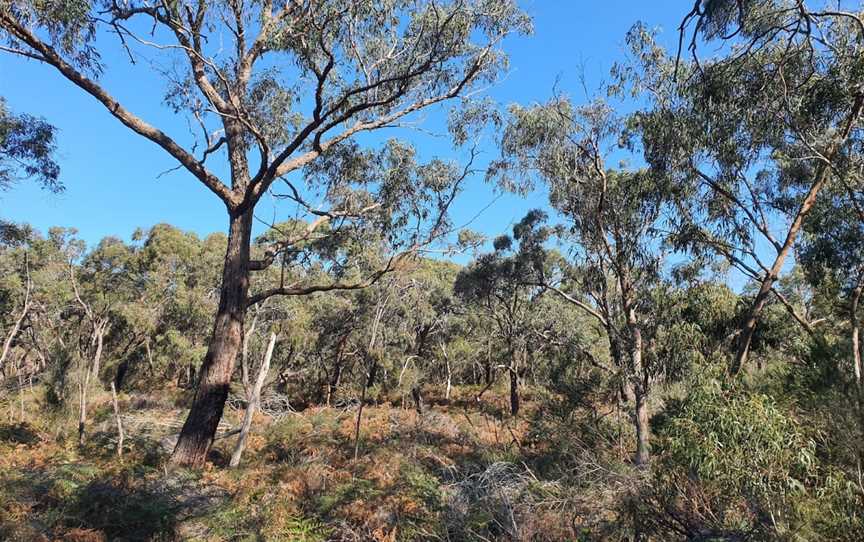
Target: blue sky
[[112, 175]]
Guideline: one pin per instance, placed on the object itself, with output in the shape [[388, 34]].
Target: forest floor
[[463, 470]]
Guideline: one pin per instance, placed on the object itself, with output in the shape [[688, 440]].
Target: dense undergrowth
[[731, 464]]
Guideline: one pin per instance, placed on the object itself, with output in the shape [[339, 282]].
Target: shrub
[[733, 463]]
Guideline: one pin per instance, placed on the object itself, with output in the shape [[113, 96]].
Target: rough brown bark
[[514, 392], [417, 395], [198, 431]]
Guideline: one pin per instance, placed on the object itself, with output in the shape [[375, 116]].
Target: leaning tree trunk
[[745, 339], [16, 327], [198, 431], [254, 401]]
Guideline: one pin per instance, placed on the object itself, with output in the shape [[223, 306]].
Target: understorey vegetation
[[668, 349]]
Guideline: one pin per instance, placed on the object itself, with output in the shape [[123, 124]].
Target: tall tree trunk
[[643, 430], [150, 366], [856, 348], [449, 371], [514, 377], [367, 383], [254, 400], [745, 339], [84, 383], [101, 328], [120, 433], [487, 368], [333, 385], [514, 392], [244, 356], [640, 390], [198, 431]]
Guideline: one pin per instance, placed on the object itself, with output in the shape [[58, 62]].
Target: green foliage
[[717, 159], [358, 489], [737, 461], [255, 518], [27, 148]]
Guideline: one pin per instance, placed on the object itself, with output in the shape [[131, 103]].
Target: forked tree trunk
[[449, 371], [198, 431], [254, 399], [120, 433], [84, 383]]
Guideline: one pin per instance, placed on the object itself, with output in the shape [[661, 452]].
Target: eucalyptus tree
[[16, 297], [758, 132], [831, 252], [168, 324], [503, 285], [275, 90], [421, 324], [103, 283], [612, 222], [35, 294], [27, 149]]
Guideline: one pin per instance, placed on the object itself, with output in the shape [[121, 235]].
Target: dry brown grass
[[298, 476]]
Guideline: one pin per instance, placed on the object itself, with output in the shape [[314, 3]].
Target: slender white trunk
[[120, 434], [16, 327], [149, 356], [244, 356], [99, 336], [252, 402], [84, 382], [449, 372]]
